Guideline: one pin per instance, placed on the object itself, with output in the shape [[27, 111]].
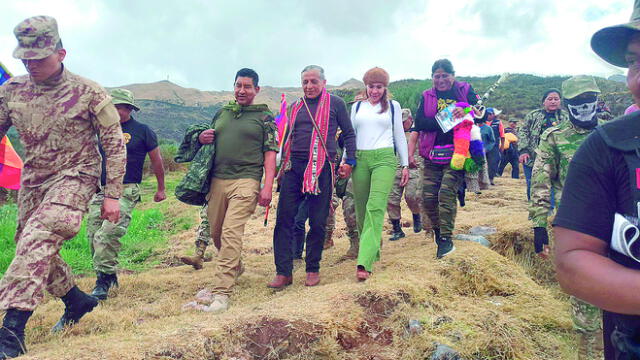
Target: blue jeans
[[528, 170]]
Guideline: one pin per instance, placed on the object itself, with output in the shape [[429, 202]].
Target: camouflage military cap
[[37, 37], [123, 96], [579, 84], [611, 42]]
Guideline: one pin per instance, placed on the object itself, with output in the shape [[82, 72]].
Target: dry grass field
[[486, 304]]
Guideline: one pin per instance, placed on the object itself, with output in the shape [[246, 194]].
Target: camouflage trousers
[[104, 236], [412, 192], [440, 185], [203, 233], [348, 212], [587, 322], [47, 217]]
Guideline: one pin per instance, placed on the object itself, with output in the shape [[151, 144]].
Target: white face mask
[[583, 112]]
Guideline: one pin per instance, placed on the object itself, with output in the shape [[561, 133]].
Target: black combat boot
[[397, 231], [12, 333], [445, 247], [76, 305], [104, 282], [417, 223]]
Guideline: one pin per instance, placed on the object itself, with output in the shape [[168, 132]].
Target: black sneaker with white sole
[[445, 247]]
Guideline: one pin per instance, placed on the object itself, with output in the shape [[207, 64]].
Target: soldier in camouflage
[[104, 236], [412, 191], [534, 124], [59, 116], [557, 146]]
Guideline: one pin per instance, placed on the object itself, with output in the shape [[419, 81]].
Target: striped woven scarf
[[317, 151]]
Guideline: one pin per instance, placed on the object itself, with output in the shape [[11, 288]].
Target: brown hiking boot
[[313, 279], [328, 240], [280, 282], [196, 260]]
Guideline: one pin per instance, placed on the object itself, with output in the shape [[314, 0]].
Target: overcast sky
[[202, 43]]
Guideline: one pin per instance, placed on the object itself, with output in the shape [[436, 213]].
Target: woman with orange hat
[[377, 122]]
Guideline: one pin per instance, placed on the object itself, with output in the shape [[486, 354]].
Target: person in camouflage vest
[[557, 146], [59, 116], [104, 236], [412, 191], [534, 124]]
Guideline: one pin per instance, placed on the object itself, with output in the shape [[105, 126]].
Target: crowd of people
[[365, 154]]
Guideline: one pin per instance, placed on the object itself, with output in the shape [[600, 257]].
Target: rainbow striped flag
[[10, 163]]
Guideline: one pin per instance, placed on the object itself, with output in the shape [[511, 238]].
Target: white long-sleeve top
[[375, 131]]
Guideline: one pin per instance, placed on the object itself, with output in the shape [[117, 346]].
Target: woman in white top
[[379, 137]]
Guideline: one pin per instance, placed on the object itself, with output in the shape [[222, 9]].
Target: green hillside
[[170, 121]]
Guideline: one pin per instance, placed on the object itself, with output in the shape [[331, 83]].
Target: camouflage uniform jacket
[[530, 132], [58, 121], [557, 146], [194, 186]]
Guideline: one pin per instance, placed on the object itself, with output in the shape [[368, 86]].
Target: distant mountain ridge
[[169, 108], [169, 92]]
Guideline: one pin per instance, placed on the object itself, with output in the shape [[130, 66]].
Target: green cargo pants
[[104, 236]]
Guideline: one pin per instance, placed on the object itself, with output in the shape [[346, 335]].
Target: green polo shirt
[[243, 135]]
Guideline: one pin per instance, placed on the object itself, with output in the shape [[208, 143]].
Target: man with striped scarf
[[306, 170]]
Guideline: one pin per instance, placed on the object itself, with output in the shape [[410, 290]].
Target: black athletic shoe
[[445, 247]]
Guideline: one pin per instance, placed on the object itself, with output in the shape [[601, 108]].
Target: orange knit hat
[[376, 75]]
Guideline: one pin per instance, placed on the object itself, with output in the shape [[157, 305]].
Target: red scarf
[[317, 153]]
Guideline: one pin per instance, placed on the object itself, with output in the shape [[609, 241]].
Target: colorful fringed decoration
[[470, 166], [461, 140], [476, 147]]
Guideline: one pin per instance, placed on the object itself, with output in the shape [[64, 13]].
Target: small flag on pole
[[281, 120], [10, 163]]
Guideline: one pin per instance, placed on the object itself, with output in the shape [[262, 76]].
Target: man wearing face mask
[[557, 146]]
